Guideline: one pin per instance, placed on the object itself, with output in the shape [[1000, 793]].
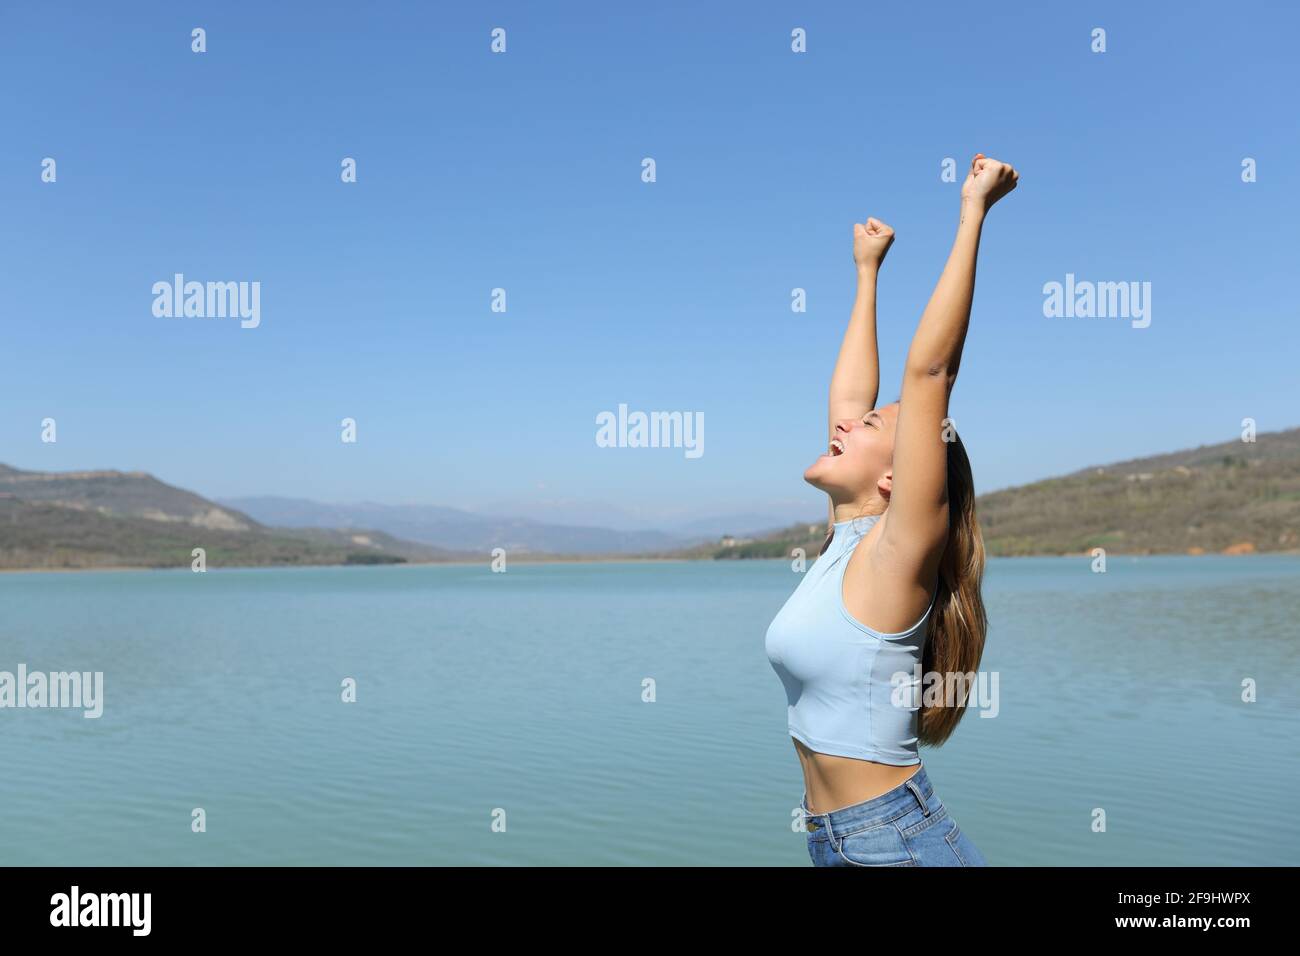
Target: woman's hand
[[987, 182], [871, 240]]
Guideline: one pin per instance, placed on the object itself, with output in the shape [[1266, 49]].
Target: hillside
[[125, 494], [1234, 497], [101, 519]]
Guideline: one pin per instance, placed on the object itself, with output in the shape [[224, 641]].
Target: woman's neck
[[848, 510]]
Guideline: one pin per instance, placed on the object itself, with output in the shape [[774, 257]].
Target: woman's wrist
[[972, 212]]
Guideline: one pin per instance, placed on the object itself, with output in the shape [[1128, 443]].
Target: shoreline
[[605, 559], [396, 564]]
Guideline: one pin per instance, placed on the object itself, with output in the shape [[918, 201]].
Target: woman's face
[[860, 461]]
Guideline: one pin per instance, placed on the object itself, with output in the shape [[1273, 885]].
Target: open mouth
[[837, 448]]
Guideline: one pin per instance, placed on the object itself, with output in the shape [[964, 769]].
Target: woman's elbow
[[930, 373]]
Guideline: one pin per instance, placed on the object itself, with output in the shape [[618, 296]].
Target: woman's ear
[[885, 484]]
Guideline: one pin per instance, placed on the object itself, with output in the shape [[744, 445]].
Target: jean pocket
[[960, 846], [881, 845]]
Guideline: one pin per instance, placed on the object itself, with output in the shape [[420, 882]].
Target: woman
[[894, 596]]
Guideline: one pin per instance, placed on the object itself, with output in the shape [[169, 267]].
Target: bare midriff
[[833, 782]]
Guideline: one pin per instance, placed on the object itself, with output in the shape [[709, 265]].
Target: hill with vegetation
[[1236, 497], [102, 519]]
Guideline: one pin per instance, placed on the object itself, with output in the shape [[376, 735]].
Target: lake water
[[481, 692]]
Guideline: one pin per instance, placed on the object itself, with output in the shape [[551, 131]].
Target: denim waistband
[[916, 790]]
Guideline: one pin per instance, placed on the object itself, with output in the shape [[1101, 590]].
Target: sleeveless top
[[852, 691]]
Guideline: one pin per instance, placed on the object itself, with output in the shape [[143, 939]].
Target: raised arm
[[917, 525], [855, 383], [856, 380]]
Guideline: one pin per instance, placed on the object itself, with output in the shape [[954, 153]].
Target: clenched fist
[[987, 182], [871, 240]]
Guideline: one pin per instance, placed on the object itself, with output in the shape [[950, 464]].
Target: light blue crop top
[[839, 675]]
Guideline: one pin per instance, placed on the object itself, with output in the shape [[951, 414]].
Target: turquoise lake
[[482, 693]]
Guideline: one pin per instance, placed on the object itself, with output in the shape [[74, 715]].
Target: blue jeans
[[906, 826]]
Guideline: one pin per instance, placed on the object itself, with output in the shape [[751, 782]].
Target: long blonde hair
[[959, 623]]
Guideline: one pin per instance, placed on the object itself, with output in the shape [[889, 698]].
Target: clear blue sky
[[522, 171]]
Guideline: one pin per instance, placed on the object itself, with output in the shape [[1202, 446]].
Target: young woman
[[894, 596]]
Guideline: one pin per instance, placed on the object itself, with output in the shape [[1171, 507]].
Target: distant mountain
[[740, 525], [1235, 498], [133, 494], [95, 519], [459, 530], [684, 521]]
